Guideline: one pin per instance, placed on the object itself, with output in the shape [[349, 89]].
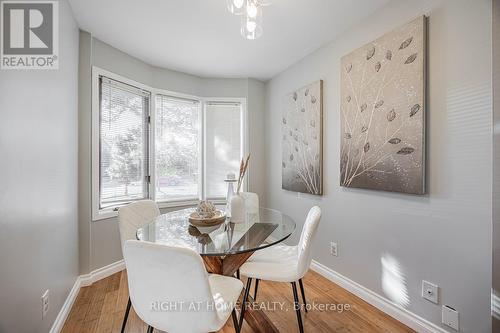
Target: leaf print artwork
[[302, 142], [382, 112]]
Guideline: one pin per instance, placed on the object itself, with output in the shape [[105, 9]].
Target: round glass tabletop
[[259, 230]]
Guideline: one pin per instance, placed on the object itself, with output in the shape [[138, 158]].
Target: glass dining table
[[224, 248]]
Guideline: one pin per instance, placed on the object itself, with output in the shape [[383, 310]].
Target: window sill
[[112, 211]]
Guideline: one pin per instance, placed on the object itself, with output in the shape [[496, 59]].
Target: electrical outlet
[[333, 249], [450, 317], [430, 291], [45, 303]]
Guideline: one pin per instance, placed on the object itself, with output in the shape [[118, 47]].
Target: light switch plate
[[430, 291], [450, 317]]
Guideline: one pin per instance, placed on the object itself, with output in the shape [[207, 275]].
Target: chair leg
[[303, 295], [150, 329], [244, 301], [255, 291], [235, 321], [126, 315], [238, 273], [297, 306]]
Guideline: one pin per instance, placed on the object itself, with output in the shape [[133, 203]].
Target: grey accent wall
[[444, 236], [100, 240], [495, 290], [38, 186]]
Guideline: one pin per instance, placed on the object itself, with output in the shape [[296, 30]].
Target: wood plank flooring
[[101, 306]]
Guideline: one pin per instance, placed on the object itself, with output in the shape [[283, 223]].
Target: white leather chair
[[282, 263], [172, 291], [130, 218]]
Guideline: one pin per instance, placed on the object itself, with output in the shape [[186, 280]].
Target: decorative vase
[[237, 208]]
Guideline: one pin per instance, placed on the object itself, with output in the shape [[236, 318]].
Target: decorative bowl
[[196, 220]]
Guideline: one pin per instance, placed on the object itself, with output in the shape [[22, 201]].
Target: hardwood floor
[[101, 306]]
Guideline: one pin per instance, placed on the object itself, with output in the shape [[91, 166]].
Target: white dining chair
[[171, 290], [251, 202], [283, 263], [130, 218]]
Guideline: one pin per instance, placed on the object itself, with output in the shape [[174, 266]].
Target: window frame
[[112, 211]]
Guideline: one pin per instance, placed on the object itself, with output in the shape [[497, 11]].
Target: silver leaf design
[[414, 109], [391, 115], [366, 147], [411, 58], [394, 141], [370, 53], [378, 65], [406, 43], [379, 104], [405, 151], [388, 55]]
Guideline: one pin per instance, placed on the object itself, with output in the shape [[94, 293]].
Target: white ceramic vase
[[237, 208]]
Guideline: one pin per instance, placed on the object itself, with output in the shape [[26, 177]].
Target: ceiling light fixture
[[251, 16]]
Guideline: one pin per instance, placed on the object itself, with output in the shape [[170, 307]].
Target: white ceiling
[[201, 37]]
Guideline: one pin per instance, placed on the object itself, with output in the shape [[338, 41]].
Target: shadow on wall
[[394, 281]]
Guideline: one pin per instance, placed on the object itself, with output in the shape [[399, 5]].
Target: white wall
[[444, 236], [38, 182], [100, 240]]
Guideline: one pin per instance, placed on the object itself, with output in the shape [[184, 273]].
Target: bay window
[[153, 144]]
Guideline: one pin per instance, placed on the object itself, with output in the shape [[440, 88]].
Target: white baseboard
[[101, 273], [408, 318], [83, 281]]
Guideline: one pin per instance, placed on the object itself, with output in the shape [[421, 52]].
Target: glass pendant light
[[251, 21], [236, 7]]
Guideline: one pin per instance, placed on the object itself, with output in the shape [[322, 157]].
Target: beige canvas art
[[383, 112], [302, 140]]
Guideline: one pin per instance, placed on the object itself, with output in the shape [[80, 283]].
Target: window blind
[[177, 148], [123, 142], [223, 145]]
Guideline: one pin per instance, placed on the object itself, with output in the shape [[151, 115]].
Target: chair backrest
[[251, 202], [135, 215], [306, 239], [167, 285]]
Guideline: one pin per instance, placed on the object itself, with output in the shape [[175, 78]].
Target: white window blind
[[223, 145], [177, 148], [123, 143]]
